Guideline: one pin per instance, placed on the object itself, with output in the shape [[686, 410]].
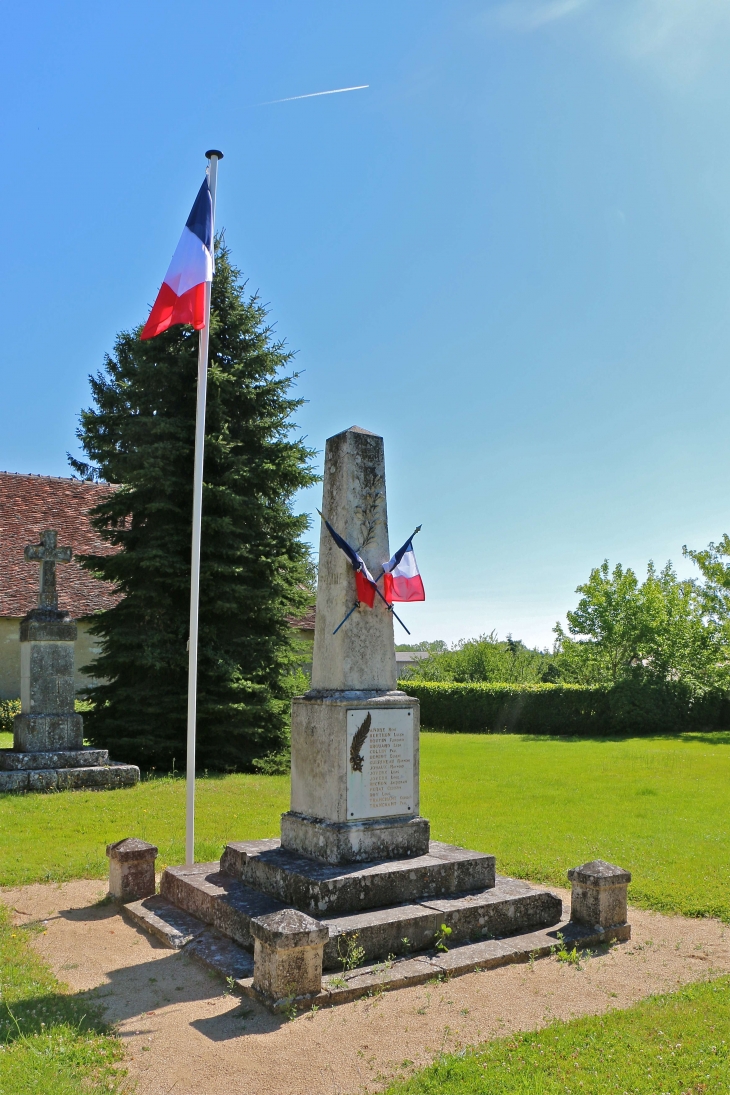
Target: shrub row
[[629, 707], [8, 710]]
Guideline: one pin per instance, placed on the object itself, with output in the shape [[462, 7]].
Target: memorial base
[[47, 733], [63, 770], [338, 842], [284, 919], [354, 785]]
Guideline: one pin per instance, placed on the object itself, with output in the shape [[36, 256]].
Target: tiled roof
[[29, 504], [305, 622]]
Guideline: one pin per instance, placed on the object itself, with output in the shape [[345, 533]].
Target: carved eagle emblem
[[356, 758]]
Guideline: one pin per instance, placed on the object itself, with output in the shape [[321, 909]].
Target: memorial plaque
[[379, 762]]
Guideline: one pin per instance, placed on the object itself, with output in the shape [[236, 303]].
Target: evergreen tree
[[254, 567]]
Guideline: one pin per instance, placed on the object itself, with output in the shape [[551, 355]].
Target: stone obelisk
[[354, 780]]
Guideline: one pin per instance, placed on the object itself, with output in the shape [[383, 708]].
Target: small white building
[[406, 659]]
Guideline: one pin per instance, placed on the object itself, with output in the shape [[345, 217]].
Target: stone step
[[228, 905], [171, 925], [235, 965], [459, 960], [217, 899], [509, 907], [222, 955], [177, 929], [107, 778], [321, 889], [87, 757]]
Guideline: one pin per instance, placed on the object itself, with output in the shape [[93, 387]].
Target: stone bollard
[[287, 957], [598, 898], [131, 869]]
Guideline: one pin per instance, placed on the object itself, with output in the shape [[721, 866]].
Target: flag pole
[[213, 157]]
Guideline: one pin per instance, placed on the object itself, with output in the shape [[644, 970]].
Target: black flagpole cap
[[213, 152]]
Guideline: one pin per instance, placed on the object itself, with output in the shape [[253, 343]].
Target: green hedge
[[8, 710], [632, 706]]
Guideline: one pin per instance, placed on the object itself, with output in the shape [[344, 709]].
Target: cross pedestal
[[47, 720], [48, 736]]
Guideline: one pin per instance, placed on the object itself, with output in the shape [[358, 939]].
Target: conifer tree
[[254, 567]]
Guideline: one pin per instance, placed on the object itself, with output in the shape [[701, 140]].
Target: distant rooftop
[[305, 622], [29, 504]]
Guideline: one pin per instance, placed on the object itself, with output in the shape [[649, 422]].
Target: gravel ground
[[186, 1036]]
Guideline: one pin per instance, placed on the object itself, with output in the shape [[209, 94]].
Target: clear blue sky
[[510, 255]]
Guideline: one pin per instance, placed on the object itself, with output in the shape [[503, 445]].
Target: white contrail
[[314, 94]]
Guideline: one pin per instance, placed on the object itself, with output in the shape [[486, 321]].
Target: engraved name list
[[380, 762]]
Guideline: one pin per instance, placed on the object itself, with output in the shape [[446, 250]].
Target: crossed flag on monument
[[402, 578]]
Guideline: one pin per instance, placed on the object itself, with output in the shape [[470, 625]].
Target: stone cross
[[47, 553]]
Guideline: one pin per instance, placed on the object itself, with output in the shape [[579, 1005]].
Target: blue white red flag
[[364, 581], [402, 580], [181, 298]]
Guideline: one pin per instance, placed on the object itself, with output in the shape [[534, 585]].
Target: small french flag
[[181, 298], [402, 580], [364, 581]]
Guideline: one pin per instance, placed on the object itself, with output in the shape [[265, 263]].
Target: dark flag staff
[[402, 578]]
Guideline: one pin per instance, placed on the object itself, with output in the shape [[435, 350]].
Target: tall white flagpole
[[213, 157]]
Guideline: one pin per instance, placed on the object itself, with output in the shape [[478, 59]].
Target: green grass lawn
[[666, 1045], [660, 807], [49, 1041]]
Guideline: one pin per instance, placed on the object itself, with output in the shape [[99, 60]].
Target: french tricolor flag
[[182, 296], [364, 581], [402, 579]]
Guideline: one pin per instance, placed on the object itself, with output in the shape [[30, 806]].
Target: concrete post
[[131, 869], [598, 897], [288, 949]]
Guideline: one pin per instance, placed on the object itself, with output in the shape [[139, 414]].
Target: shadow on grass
[[138, 993], [714, 737], [37, 1014], [705, 737]]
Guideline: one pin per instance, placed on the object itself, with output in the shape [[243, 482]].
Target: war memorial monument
[[355, 897]]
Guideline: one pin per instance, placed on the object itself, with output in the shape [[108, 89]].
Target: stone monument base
[[394, 907], [355, 778], [316, 887], [340, 842], [63, 770], [281, 927]]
